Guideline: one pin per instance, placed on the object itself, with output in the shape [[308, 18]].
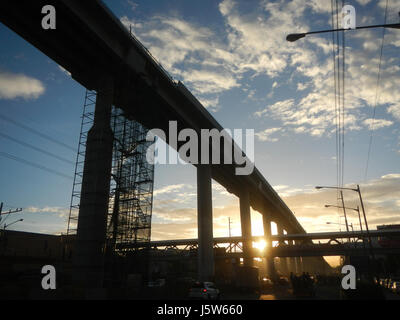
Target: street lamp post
[[363, 210], [362, 207], [7, 225], [344, 211], [355, 209], [296, 36]]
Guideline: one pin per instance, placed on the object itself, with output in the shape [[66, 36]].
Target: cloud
[[211, 103], [64, 70], [168, 189], [266, 134], [60, 211], [132, 5], [374, 124], [395, 111], [363, 2], [251, 43], [283, 108], [381, 199], [212, 62], [19, 86]]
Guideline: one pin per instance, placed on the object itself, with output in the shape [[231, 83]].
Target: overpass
[[91, 43], [293, 257], [303, 247]]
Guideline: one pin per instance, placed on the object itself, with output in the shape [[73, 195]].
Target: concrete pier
[[269, 260], [205, 224], [92, 222], [283, 260], [245, 222]]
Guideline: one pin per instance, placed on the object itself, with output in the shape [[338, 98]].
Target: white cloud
[[212, 103], [374, 124], [395, 111], [61, 212], [363, 2], [19, 86], [252, 43], [381, 199], [266, 134], [169, 189], [132, 5], [64, 70]]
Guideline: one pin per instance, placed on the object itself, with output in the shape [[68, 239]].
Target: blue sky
[[234, 57]]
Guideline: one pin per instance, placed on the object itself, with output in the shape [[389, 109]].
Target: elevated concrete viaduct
[[91, 43]]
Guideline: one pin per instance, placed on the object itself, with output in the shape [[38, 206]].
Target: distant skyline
[[234, 58]]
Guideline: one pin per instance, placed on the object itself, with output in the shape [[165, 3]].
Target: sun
[[260, 245]]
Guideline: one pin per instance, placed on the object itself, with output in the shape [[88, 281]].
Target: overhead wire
[[28, 145], [37, 132], [343, 98], [376, 95], [32, 164], [335, 93]]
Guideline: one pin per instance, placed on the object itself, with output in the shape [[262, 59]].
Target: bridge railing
[[158, 64]]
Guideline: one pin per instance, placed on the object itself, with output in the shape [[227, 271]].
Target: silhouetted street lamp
[[355, 209], [7, 225], [350, 224], [362, 207], [363, 210], [296, 36]]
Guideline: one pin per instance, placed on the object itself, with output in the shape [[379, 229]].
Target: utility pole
[[366, 224], [7, 212], [344, 211], [229, 226]]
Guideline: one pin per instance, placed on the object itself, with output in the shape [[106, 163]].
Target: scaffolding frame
[[131, 181], [86, 123], [131, 190]]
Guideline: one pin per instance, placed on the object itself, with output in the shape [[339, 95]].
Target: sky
[[234, 58]]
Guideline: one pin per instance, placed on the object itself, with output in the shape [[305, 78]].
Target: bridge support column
[[205, 224], [299, 260], [306, 267], [269, 259], [93, 209], [245, 222], [282, 260], [293, 260]]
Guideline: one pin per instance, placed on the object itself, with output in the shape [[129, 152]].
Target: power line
[[376, 94], [335, 92], [343, 99], [34, 131], [338, 81], [338, 55], [32, 164], [25, 144]]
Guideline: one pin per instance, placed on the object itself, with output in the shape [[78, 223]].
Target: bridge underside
[[98, 51]]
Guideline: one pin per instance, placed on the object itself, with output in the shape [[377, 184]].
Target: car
[[283, 281], [266, 283], [385, 283], [396, 287], [204, 291], [388, 283], [157, 283]]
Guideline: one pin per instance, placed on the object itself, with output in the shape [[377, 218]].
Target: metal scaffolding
[[131, 181], [86, 124], [131, 196]]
